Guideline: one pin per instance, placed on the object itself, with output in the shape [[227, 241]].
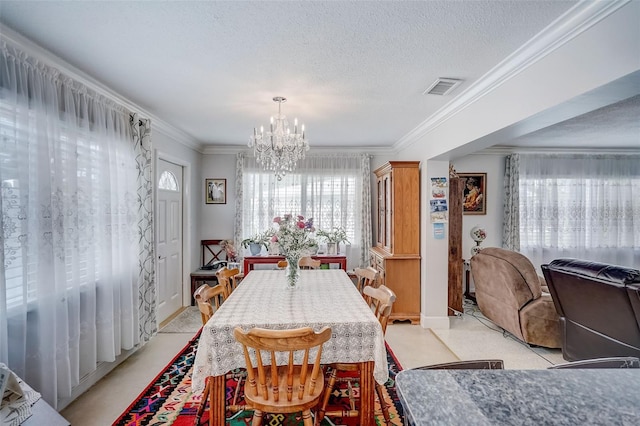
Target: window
[[582, 206], [74, 214], [328, 189], [168, 181], [329, 200]]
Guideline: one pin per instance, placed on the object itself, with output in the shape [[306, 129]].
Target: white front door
[[169, 238]]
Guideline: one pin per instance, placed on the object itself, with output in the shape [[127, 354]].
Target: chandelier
[[279, 149]]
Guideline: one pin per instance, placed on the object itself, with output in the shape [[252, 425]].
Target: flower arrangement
[[336, 235], [232, 254], [293, 236]]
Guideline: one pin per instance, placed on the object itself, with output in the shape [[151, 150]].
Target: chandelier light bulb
[[280, 149]]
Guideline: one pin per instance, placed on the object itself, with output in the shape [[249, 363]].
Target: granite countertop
[[522, 397]]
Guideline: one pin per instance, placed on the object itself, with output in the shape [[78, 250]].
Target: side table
[[251, 261]]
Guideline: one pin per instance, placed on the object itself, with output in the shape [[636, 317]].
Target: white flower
[[293, 236]]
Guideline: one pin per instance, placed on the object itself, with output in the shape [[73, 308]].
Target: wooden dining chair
[[207, 297], [366, 277], [296, 386], [381, 303], [227, 277], [308, 262], [474, 364], [610, 362]]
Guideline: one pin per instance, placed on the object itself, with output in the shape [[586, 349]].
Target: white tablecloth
[[322, 298]]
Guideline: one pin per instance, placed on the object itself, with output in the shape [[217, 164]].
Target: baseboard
[[434, 322]]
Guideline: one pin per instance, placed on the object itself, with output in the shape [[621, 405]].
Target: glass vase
[[332, 248], [292, 272]]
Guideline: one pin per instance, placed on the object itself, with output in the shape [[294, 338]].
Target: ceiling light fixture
[[279, 149]]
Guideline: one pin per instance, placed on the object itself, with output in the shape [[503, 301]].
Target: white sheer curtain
[[582, 206], [69, 276], [334, 190]]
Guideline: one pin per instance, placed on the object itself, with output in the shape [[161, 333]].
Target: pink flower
[[301, 218], [274, 238], [300, 225], [277, 219]]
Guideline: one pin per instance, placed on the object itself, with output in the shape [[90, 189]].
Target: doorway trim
[[186, 236]]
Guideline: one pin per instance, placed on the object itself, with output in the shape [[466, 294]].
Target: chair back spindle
[[303, 382], [380, 300], [207, 297], [366, 277], [227, 278]]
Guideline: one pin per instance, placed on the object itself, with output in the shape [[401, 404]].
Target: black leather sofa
[[599, 308]]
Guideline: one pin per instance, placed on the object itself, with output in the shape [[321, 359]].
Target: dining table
[[520, 397], [321, 298]]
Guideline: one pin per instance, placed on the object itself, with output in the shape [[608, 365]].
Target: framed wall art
[[215, 191], [475, 193]]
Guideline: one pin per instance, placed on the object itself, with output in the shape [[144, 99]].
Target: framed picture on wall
[[215, 191], [475, 193]]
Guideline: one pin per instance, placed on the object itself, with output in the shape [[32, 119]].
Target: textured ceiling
[[354, 72], [593, 129]]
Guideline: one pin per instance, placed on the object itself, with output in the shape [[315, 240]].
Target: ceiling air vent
[[442, 86]]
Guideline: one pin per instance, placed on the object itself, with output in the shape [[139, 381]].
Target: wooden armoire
[[396, 254]]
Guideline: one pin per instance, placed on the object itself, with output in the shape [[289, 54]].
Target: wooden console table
[[250, 261]]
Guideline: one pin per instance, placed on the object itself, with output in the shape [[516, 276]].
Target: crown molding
[[507, 149], [235, 149], [572, 23], [37, 52]]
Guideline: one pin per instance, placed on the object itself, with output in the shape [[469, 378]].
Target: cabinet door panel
[[388, 238], [396, 254]]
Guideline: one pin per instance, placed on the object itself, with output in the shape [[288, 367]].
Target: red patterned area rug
[[168, 399]]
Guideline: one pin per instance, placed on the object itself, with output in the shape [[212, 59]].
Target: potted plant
[[256, 242], [334, 237], [313, 245]]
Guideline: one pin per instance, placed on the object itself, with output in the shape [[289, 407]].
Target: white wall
[[493, 166], [217, 220], [434, 254]]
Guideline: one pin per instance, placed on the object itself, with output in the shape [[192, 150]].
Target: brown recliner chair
[[509, 293], [599, 307]]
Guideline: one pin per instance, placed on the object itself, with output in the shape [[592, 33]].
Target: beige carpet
[[472, 336], [187, 321], [415, 346]]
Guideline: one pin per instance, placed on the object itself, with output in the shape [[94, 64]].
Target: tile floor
[[470, 337]]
